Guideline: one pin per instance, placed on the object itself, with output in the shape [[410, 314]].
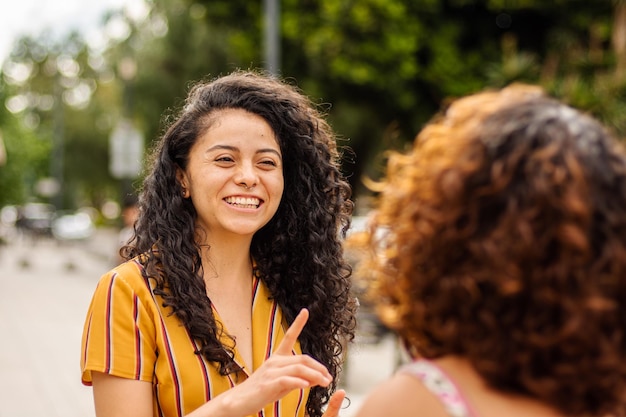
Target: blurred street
[[45, 288]]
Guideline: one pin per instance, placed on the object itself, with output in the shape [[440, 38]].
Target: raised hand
[[277, 376]]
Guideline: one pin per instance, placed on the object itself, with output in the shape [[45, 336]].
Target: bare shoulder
[[400, 396]]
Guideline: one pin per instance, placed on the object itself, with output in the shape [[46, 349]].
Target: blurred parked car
[[8, 217], [73, 226], [35, 219]]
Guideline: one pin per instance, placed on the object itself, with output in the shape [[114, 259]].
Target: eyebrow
[[235, 149]]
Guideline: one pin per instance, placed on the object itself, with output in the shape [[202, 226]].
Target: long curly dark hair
[[298, 254], [501, 238]]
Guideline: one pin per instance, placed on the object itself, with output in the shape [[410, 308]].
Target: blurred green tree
[[25, 160], [49, 91], [380, 68], [386, 66]]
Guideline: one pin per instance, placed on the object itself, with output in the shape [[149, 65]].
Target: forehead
[[238, 126]]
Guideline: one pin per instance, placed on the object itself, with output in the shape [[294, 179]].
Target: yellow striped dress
[[128, 333]]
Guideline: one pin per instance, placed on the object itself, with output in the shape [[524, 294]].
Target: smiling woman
[[236, 161], [235, 250]]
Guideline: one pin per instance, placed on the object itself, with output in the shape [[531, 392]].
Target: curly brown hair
[[298, 254], [501, 238]]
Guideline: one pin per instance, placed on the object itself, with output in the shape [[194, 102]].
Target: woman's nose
[[246, 175]]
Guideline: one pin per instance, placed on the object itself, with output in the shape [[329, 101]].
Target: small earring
[[184, 193]]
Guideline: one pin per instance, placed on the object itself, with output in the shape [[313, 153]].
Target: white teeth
[[247, 202]]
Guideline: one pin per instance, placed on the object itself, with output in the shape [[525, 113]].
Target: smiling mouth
[[243, 202]]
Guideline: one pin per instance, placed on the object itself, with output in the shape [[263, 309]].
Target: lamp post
[[3, 151], [271, 10], [58, 147]]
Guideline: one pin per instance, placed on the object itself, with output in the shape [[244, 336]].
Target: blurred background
[[84, 93], [86, 86]]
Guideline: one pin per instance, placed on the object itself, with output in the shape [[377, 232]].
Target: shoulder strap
[[437, 382]]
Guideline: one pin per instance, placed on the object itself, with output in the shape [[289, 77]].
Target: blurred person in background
[[234, 299], [497, 252], [130, 214]]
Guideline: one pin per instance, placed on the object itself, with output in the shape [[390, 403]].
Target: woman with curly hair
[[497, 252], [237, 247]]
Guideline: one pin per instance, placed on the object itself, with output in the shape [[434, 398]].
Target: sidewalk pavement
[[45, 289]]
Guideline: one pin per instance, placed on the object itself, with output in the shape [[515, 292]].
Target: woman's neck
[[226, 259]]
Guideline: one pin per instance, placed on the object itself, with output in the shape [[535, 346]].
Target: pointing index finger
[[292, 333]]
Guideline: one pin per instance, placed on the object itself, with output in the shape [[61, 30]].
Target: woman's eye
[[224, 159], [269, 163]]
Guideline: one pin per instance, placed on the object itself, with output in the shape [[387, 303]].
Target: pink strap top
[[437, 382]]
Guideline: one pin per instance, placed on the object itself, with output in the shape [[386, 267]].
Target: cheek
[[280, 186], [276, 191], [276, 183]]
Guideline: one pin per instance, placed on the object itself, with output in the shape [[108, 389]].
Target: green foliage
[[56, 134], [380, 68], [193, 49], [27, 160]]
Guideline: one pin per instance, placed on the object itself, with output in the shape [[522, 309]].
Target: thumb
[[334, 404]]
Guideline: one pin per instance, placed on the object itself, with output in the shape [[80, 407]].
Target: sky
[[32, 17]]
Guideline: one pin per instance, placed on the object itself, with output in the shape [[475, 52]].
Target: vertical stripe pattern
[[128, 333]]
